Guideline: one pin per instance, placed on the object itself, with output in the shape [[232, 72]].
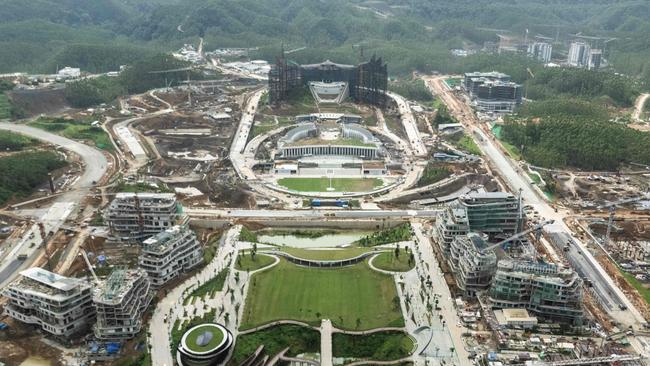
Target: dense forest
[[24, 171], [561, 133], [40, 35]]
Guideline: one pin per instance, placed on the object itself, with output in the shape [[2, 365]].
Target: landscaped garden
[[354, 297], [338, 184]]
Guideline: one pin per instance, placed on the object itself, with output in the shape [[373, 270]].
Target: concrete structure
[[493, 213], [69, 73], [578, 54], [168, 254], [323, 92], [492, 91], [541, 51], [515, 318], [121, 301], [473, 268], [450, 223], [595, 59], [550, 291], [341, 139], [137, 216], [60, 305], [204, 345]]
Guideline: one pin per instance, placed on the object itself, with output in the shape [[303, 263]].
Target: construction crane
[[90, 267], [537, 227], [612, 211]]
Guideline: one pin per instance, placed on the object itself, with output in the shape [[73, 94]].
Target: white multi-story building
[[121, 301], [450, 223], [595, 59], [137, 216], [60, 305], [169, 253], [541, 51], [578, 54], [473, 266]]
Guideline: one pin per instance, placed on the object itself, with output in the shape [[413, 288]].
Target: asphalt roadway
[[95, 165], [199, 213]]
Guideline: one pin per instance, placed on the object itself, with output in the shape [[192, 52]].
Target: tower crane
[[612, 211], [537, 227]]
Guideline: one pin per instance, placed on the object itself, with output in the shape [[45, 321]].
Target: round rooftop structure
[[204, 345]]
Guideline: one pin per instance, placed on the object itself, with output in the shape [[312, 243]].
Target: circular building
[[204, 345]]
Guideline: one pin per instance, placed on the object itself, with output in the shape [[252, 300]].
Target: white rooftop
[[50, 279]]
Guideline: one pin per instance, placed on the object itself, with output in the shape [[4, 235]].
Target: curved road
[[641, 101], [95, 165]]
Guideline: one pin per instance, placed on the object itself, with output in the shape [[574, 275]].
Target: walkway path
[[326, 342], [170, 308]]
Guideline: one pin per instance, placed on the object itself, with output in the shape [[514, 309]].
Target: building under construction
[[137, 216], [60, 305], [121, 301], [473, 266], [550, 291], [367, 82], [169, 253]]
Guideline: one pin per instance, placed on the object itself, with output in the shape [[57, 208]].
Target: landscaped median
[[76, 130], [338, 184]]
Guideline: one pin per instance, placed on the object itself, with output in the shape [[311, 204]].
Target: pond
[[328, 239]]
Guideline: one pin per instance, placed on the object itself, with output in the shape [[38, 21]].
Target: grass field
[[339, 184], [14, 141], [333, 254], [245, 261], [466, 143], [192, 338], [75, 130], [268, 124], [5, 107], [343, 295], [210, 287], [388, 262]]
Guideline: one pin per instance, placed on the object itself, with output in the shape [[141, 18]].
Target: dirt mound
[[32, 102]]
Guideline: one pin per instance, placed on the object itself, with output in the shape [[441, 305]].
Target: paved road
[[410, 125], [199, 213], [514, 176], [95, 165], [641, 101]]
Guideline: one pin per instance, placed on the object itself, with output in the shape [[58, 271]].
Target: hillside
[[409, 34]]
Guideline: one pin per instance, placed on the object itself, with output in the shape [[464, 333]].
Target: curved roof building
[[204, 345]]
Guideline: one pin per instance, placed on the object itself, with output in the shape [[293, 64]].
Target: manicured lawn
[[333, 254], [382, 346], [275, 339], [75, 130], [388, 262], [342, 295], [245, 262], [466, 143], [339, 184], [192, 338]]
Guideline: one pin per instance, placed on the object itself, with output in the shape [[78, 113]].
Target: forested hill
[[410, 34]]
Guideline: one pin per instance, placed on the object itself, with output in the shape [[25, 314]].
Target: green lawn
[[467, 144], [381, 346], [245, 261], [75, 130], [343, 295], [339, 184], [267, 125], [333, 254], [192, 338], [388, 262]]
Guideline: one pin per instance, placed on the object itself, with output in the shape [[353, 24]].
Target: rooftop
[[159, 242], [336, 142], [51, 279], [117, 285]]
